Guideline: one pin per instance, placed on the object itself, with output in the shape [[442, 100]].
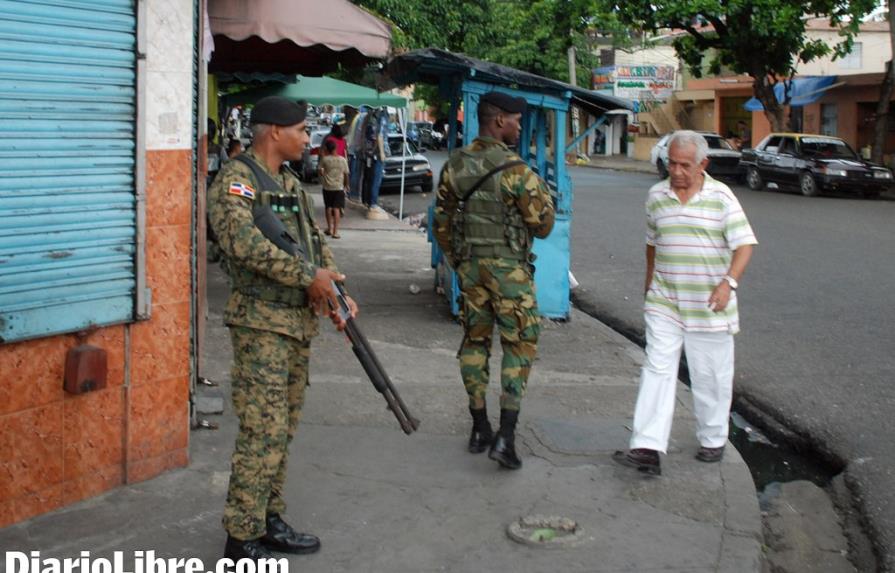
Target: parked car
[[724, 160], [424, 134], [417, 168], [812, 164]]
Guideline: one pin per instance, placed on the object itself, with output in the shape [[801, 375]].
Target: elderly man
[[272, 314], [698, 243]]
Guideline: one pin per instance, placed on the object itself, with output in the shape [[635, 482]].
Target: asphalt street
[[816, 347]]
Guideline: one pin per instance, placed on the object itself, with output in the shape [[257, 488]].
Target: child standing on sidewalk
[[334, 175]]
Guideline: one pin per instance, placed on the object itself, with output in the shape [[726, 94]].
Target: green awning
[[319, 91]]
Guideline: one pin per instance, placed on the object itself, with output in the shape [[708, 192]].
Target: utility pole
[[574, 115]]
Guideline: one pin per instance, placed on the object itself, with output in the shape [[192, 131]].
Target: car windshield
[[718, 143], [827, 148], [394, 147]]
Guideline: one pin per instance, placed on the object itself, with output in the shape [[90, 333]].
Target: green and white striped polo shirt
[[694, 244]]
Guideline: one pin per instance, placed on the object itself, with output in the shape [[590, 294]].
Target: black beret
[[505, 102], [276, 110]]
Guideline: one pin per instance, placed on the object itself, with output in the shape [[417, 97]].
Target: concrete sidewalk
[[383, 502], [620, 163]]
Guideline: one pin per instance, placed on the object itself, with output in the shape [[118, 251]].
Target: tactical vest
[[293, 209], [485, 225]]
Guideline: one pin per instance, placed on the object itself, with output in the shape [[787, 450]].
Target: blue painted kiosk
[[463, 80]]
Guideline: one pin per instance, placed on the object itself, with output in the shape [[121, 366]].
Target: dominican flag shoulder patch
[[242, 190]]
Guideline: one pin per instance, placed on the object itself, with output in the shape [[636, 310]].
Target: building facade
[[97, 202], [844, 107]]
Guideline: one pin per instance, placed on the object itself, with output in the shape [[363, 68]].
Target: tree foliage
[[762, 38], [531, 35]]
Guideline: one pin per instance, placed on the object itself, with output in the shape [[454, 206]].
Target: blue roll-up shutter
[[67, 150]]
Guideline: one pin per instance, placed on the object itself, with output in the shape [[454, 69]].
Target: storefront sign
[[638, 83]]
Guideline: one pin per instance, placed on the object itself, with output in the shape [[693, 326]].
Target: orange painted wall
[[57, 448], [855, 103], [761, 127]]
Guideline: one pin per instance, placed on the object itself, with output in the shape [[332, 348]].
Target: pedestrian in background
[[745, 134], [698, 244], [216, 154], [334, 176], [336, 136], [354, 139], [374, 130], [489, 247], [234, 148], [275, 299]]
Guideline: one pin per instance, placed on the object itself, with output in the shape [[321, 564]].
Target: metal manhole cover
[[545, 531]]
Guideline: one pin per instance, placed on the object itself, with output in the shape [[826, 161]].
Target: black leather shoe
[[237, 549], [503, 451], [281, 537], [480, 440], [641, 459]]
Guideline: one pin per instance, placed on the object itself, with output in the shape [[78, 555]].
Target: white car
[[724, 160], [417, 169]]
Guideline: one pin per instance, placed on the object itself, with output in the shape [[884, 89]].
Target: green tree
[[535, 37], [762, 38], [530, 35]]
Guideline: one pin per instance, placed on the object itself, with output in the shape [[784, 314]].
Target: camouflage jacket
[[244, 247], [521, 189]]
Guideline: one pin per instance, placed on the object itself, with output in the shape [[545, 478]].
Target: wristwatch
[[731, 281]]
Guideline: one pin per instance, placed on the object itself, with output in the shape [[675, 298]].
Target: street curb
[[619, 167]]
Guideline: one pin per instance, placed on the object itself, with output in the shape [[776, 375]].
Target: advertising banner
[[636, 82]]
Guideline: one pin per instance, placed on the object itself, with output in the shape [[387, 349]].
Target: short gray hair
[[259, 130], [688, 137]]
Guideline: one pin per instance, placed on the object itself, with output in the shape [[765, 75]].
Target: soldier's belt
[[289, 297]]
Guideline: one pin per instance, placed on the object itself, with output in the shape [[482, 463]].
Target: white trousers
[[710, 361]]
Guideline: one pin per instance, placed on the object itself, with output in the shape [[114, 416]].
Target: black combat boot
[[237, 549], [503, 450], [482, 434], [281, 537]]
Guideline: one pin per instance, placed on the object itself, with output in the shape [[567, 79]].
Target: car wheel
[[754, 180], [660, 167], [807, 184], [426, 188]]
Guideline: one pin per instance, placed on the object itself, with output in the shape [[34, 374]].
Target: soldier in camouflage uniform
[[487, 239], [272, 314]]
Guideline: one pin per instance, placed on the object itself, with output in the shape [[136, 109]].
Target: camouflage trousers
[[270, 373], [497, 291]]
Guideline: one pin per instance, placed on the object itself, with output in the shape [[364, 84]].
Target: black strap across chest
[[486, 176], [263, 179]]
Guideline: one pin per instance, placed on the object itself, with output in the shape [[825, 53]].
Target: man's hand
[[720, 296], [321, 295], [336, 316]]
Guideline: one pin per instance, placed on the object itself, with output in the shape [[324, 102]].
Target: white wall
[[169, 74], [876, 50]]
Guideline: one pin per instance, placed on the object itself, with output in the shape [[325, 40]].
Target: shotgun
[[274, 230]]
